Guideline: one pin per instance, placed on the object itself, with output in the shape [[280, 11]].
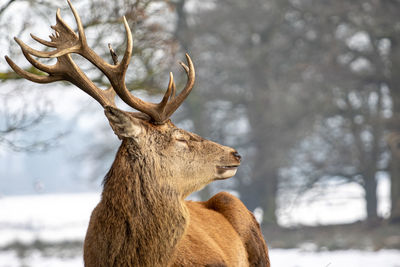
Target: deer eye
[[180, 137]]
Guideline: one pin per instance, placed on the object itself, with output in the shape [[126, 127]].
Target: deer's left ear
[[123, 124]]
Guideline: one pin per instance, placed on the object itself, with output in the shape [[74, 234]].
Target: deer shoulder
[[222, 232], [244, 223]]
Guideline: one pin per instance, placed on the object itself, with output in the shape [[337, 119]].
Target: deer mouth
[[228, 167], [227, 171]]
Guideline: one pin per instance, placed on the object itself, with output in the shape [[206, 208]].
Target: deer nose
[[237, 155]]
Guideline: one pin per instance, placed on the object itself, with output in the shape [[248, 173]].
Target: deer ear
[[122, 123]]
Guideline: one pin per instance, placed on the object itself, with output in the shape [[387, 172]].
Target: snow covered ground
[[334, 204], [64, 217], [50, 218], [347, 258], [11, 259]]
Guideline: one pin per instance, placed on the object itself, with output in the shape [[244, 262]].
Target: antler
[[66, 41], [162, 111]]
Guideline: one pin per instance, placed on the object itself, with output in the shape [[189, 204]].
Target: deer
[[143, 217]]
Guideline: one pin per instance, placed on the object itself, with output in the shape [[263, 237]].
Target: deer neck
[[154, 216]]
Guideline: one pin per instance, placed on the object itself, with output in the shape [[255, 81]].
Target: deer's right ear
[[122, 123]]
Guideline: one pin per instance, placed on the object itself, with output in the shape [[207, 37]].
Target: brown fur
[[142, 218], [132, 220]]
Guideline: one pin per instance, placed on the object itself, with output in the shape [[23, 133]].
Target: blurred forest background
[[308, 91]]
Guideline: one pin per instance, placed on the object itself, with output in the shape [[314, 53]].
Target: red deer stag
[[143, 218]]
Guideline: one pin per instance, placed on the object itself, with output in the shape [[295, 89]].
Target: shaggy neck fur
[[150, 218]]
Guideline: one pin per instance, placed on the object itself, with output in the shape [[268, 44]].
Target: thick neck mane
[[150, 219]]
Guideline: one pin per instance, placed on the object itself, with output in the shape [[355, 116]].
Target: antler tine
[[123, 65], [168, 94], [62, 49], [32, 51], [78, 20], [185, 67], [30, 76], [177, 101], [37, 64], [43, 42]]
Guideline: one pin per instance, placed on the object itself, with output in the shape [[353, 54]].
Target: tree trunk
[[395, 191], [269, 199], [371, 198], [181, 26], [262, 193], [262, 190]]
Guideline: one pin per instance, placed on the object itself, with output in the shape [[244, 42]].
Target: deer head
[[181, 160]]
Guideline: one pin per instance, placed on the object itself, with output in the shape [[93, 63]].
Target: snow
[[335, 204], [51, 217], [11, 259], [347, 258]]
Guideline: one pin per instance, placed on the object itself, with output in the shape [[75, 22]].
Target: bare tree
[[353, 64]]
